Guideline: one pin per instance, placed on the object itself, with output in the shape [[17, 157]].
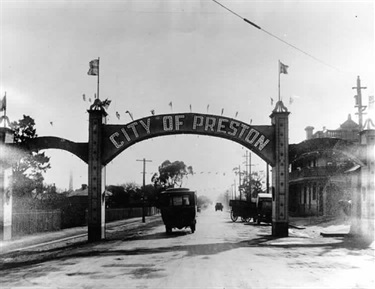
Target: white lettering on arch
[[115, 143]]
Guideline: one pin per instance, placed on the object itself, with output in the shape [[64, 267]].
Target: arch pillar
[[280, 172], [6, 137], [365, 224], [96, 173]]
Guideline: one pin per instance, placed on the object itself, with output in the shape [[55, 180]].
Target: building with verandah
[[324, 170]]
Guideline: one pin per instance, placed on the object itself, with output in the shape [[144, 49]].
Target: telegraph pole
[[239, 182], [143, 189], [358, 103]]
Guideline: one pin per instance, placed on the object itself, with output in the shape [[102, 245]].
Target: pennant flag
[[208, 106], [170, 104], [236, 114], [3, 105], [128, 112], [84, 97], [190, 107], [94, 67], [117, 115], [251, 121], [283, 68], [152, 111], [222, 111], [271, 101]]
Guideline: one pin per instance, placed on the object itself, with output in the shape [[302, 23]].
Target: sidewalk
[[76, 233]]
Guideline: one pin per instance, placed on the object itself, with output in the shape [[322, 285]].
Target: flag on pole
[[236, 114], [94, 67], [291, 100], [222, 111], [190, 107], [271, 101], [170, 104], [117, 115], [152, 111], [84, 97], [3, 105], [208, 106], [283, 68]]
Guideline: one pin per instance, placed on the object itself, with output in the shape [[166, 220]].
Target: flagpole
[[97, 88], [5, 108], [279, 79]]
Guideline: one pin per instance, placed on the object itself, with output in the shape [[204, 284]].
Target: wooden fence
[[32, 222], [35, 221]]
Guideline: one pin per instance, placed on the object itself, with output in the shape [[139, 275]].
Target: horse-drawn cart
[[259, 211], [243, 209]]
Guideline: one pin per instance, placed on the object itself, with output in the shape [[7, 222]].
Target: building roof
[[349, 124]]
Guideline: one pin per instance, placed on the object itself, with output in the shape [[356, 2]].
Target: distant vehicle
[[218, 206], [259, 211], [178, 208]]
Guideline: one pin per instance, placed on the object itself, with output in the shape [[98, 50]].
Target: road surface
[[220, 254]]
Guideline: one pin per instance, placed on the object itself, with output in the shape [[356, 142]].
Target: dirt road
[[220, 254]]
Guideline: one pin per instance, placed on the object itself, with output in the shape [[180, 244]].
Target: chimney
[[309, 132]]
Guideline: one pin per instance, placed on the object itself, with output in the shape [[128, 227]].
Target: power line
[[274, 36]]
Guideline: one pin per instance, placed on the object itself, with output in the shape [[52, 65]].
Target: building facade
[[324, 170]]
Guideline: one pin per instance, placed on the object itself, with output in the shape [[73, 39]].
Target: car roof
[[264, 195], [177, 190]]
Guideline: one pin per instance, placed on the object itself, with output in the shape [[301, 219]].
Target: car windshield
[[266, 205]]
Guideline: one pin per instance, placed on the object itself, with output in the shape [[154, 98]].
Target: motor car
[[178, 207], [218, 206], [264, 208]]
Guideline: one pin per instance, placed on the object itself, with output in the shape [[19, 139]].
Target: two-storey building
[[323, 170]]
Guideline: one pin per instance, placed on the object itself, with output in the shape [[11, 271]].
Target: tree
[[28, 171], [171, 174]]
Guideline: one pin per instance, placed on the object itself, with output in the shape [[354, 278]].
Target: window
[[180, 201]]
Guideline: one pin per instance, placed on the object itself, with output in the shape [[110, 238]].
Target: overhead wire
[[274, 36]]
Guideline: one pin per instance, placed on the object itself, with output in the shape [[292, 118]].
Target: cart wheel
[[233, 217]]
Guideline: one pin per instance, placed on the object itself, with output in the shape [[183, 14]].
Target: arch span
[[117, 138], [50, 142]]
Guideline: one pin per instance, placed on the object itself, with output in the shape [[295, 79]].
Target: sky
[[188, 53]]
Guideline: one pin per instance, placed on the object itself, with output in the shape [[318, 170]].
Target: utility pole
[[239, 182], [358, 103], [268, 178], [143, 189], [248, 169]]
